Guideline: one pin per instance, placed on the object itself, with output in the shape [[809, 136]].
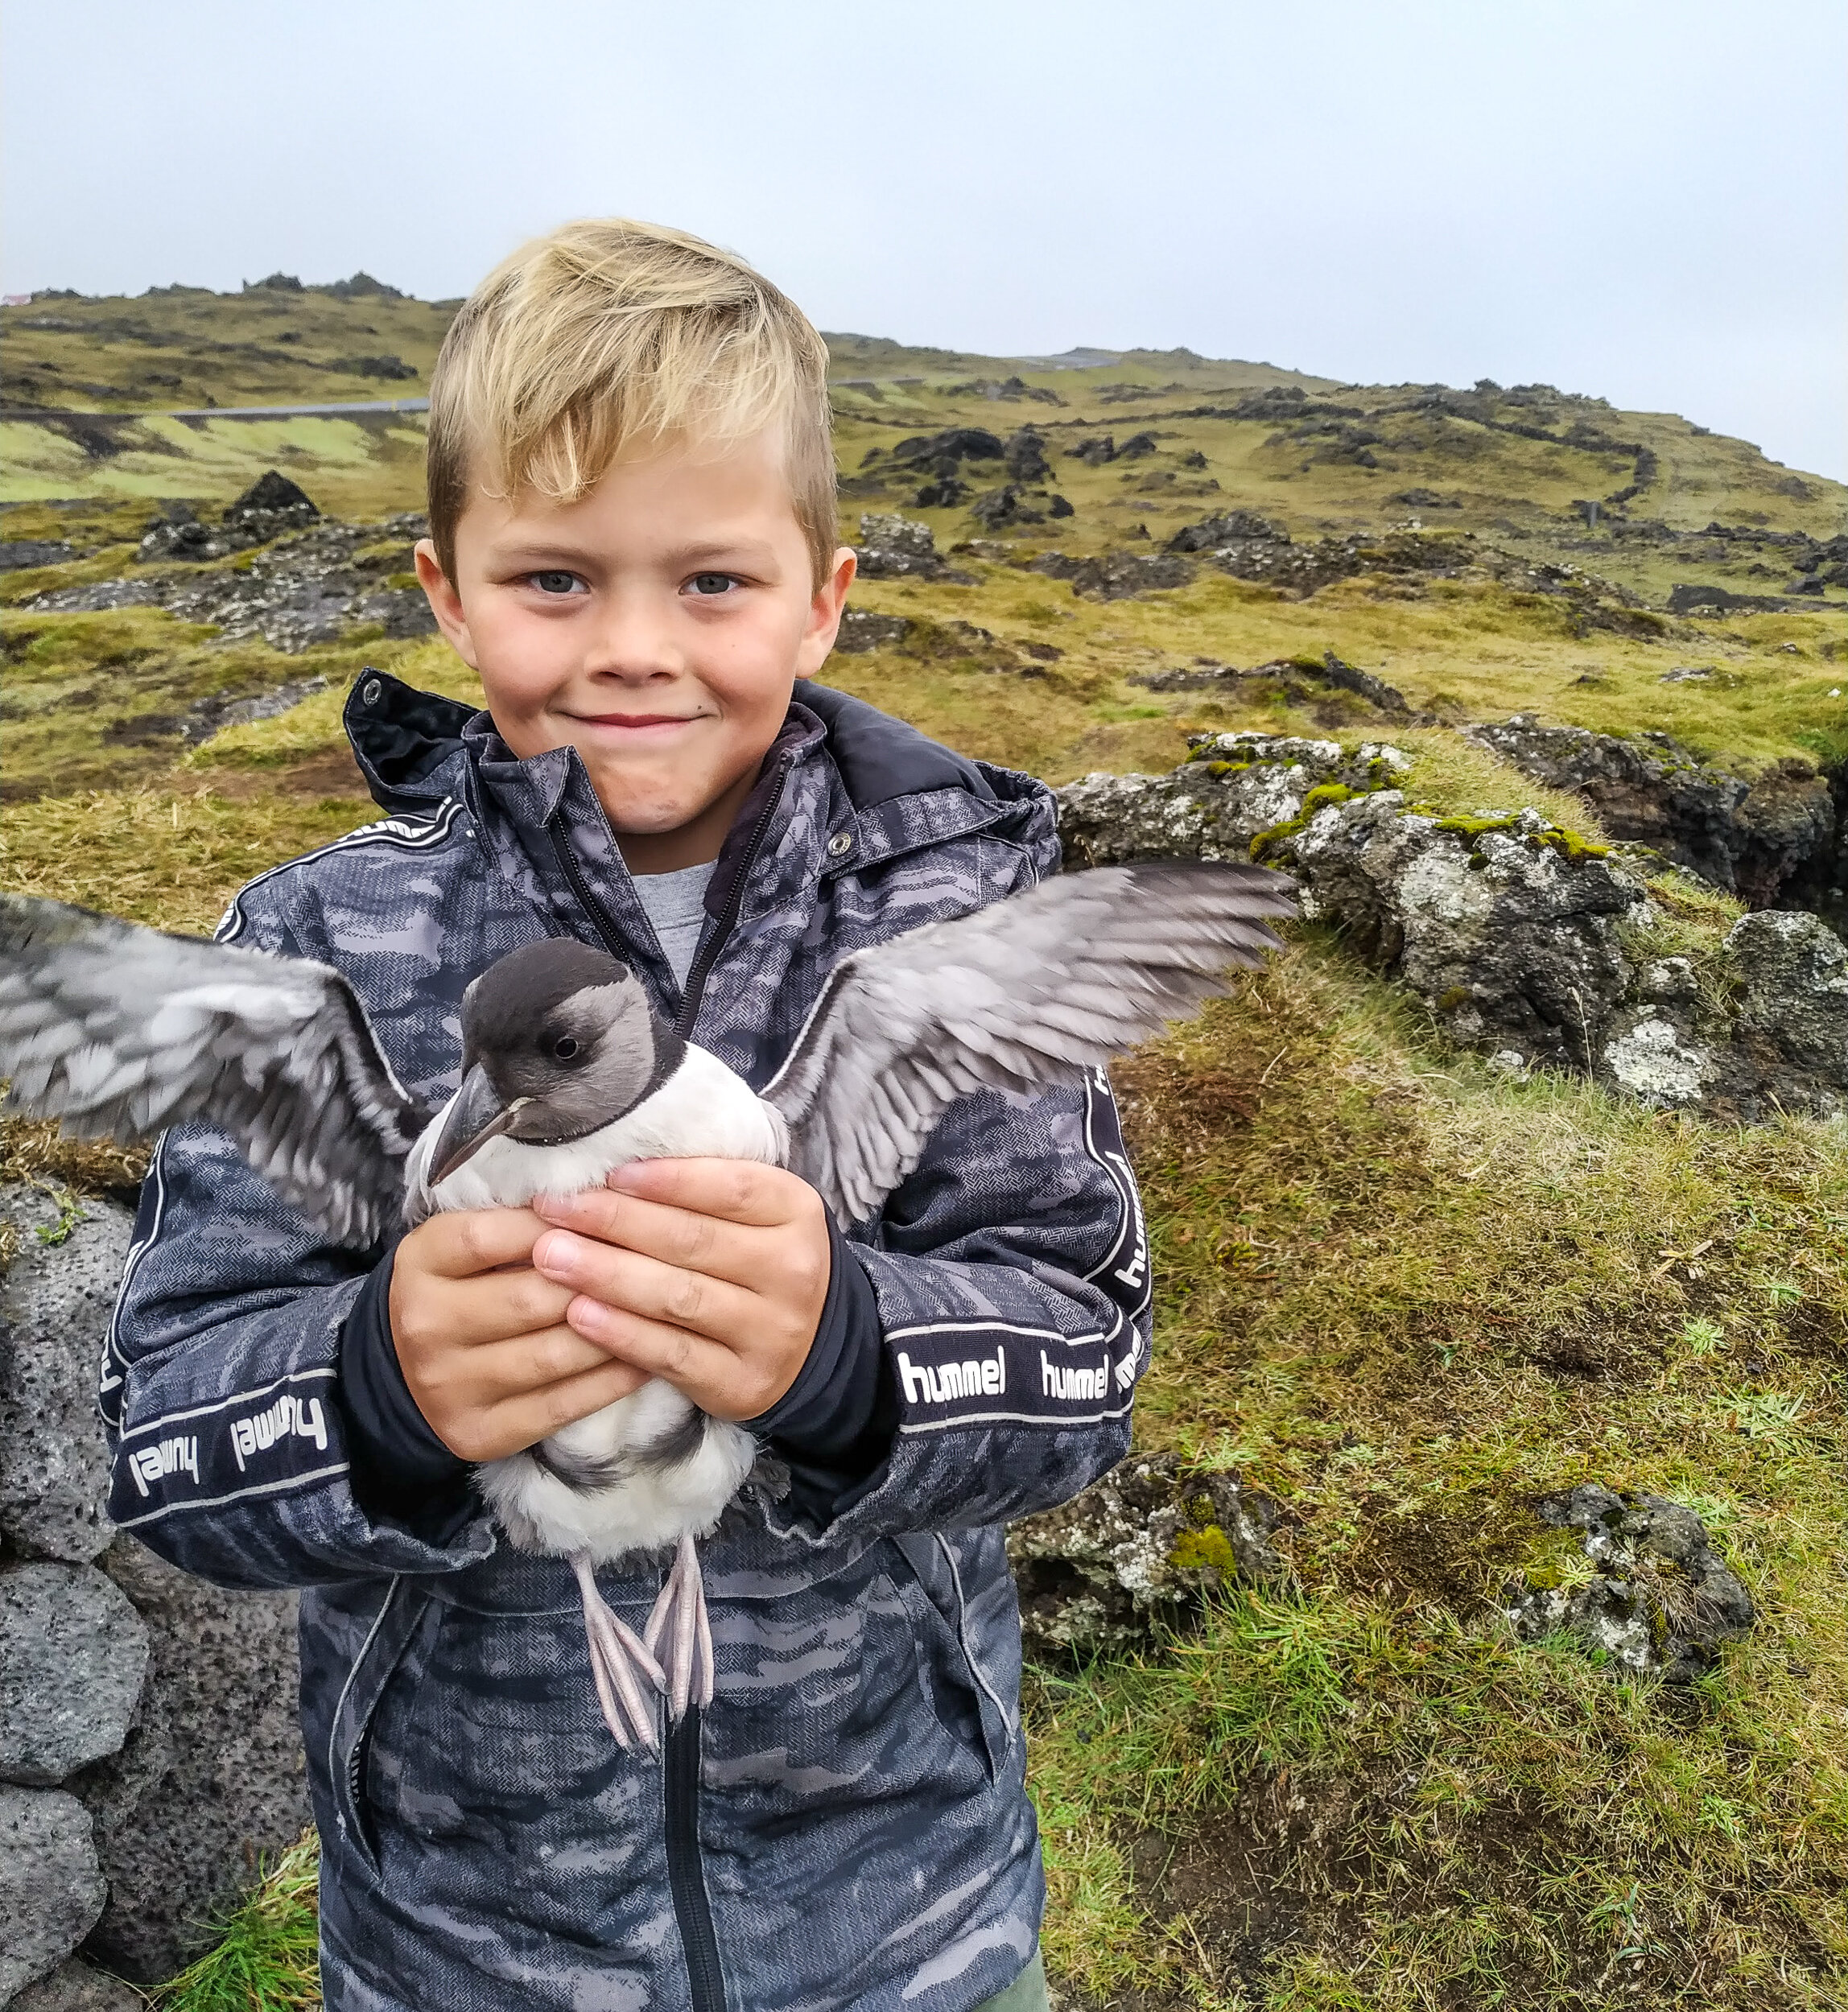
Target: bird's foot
[[619, 1660], [680, 1635]]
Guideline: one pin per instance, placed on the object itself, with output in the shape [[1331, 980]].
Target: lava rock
[[893, 547], [51, 1887], [72, 1654], [1793, 1021], [1507, 928], [1662, 1603], [1142, 1546], [1025, 458], [57, 1301], [212, 1773], [1121, 576], [393, 370], [179, 533], [273, 498], [1232, 788], [945, 494], [1762, 839], [861, 630], [940, 452], [16, 554], [75, 1986], [1229, 528], [1013, 505]]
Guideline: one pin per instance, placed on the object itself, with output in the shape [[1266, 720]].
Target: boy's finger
[[478, 1313], [636, 1284], [717, 1379], [499, 1372], [682, 1237], [739, 1191], [471, 1241], [510, 1428]]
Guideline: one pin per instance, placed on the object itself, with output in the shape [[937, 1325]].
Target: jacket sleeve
[[233, 1454], [1011, 1273]]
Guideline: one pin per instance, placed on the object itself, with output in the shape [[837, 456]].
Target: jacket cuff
[[834, 1424], [398, 1462]]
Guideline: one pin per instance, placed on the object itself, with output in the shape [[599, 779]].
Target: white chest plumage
[[639, 1474]]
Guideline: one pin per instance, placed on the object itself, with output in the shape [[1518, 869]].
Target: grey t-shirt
[[676, 905]]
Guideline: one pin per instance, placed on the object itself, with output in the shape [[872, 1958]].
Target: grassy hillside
[[1400, 1293]]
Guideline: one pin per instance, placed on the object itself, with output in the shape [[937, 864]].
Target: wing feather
[[121, 1031], [1033, 991]]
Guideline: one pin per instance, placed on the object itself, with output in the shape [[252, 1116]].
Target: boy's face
[[656, 625]]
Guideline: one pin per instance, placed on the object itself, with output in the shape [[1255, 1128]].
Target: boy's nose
[[634, 638]]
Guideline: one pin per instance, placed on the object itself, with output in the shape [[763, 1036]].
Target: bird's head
[[557, 1041]]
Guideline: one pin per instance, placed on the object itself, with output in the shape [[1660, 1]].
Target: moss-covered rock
[[1650, 1595], [1142, 1546]]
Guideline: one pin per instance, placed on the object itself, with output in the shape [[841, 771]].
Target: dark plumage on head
[[557, 1041]]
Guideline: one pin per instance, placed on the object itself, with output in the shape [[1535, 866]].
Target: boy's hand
[[482, 1339], [711, 1273]]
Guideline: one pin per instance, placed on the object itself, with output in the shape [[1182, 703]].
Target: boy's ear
[[445, 602], [825, 612]]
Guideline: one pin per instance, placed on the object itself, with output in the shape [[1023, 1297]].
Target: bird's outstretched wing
[[1032, 990], [120, 1030]]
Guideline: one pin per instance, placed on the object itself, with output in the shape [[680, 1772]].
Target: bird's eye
[[564, 1048]]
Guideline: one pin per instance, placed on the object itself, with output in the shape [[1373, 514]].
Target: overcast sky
[[1647, 200]]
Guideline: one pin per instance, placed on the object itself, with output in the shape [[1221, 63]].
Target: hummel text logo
[[1057, 1380], [288, 1415], [986, 1377], [170, 1457]]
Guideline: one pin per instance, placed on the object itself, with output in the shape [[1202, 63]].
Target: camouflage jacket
[[847, 1824]]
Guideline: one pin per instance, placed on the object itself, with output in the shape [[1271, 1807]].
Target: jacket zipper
[[686, 1875], [599, 915], [708, 956]]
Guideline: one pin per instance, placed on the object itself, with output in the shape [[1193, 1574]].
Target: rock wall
[[1523, 939], [148, 1743]]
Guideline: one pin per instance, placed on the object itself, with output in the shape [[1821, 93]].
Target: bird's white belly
[[701, 1109], [649, 1508]]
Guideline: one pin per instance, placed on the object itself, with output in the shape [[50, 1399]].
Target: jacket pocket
[[349, 1757], [966, 1702]]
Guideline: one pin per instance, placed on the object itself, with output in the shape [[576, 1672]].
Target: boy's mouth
[[638, 720]]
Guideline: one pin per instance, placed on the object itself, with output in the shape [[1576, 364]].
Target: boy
[[633, 542]]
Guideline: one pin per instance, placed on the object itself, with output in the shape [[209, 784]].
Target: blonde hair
[[607, 338]]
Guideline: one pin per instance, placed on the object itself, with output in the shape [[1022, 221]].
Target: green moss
[[1571, 845], [1210, 1549], [1274, 842]]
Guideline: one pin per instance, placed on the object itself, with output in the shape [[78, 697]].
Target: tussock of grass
[[267, 1961]]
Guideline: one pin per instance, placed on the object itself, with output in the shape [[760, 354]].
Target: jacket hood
[[406, 742]]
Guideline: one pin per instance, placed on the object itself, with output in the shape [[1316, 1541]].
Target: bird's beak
[[476, 1115]]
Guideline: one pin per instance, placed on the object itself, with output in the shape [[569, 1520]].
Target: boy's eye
[[553, 581], [711, 584]]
